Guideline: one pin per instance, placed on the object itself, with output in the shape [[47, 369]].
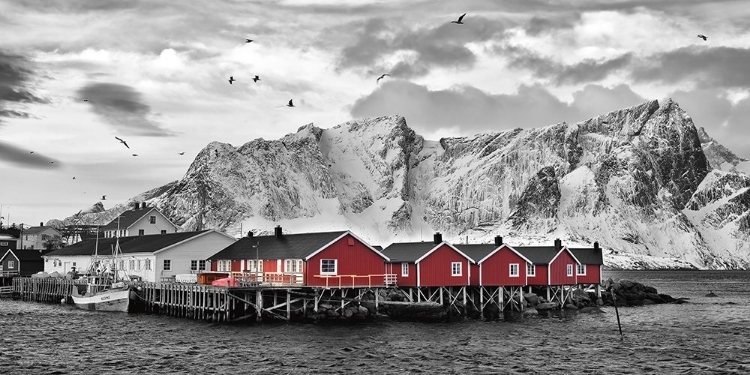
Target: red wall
[[558, 269], [435, 269], [354, 258], [593, 275], [496, 269], [474, 274], [541, 276], [410, 280]]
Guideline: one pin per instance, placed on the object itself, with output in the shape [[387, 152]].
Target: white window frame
[[152, 219], [530, 269], [148, 264], [141, 232], [11, 264], [293, 266], [581, 269], [513, 267], [224, 265], [131, 264], [335, 267], [569, 270], [457, 268], [167, 265], [404, 269]]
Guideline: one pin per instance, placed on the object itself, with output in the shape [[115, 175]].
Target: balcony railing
[[350, 281]]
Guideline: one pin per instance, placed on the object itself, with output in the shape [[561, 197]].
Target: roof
[[588, 255], [7, 237], [35, 230], [477, 252], [538, 254], [128, 218], [288, 246], [132, 244], [22, 255], [408, 251]]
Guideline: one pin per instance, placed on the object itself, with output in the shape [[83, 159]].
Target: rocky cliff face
[[636, 180]]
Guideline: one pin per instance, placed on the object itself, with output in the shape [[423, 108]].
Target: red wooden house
[[21, 262], [550, 265], [589, 271], [425, 264], [497, 265], [326, 259]]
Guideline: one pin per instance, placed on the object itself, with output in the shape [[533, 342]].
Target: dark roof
[[408, 251], [22, 255], [288, 246], [538, 254], [35, 230], [132, 244], [476, 252], [588, 255], [128, 218]]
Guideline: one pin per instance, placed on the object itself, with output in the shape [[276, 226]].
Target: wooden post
[[259, 305], [288, 305], [481, 302]]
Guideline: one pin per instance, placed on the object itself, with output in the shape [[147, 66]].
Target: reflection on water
[[706, 335]]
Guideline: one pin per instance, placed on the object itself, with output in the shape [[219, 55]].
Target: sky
[[75, 74]]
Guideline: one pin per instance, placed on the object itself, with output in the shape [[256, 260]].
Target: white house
[[35, 237], [150, 257], [139, 221]]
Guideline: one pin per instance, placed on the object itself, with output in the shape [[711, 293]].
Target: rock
[[711, 294], [570, 306], [531, 298], [590, 309], [546, 306], [654, 298], [326, 306]]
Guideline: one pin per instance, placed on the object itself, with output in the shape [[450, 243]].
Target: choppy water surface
[[706, 335]]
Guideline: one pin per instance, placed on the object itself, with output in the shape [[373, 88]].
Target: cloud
[[16, 74], [705, 66], [474, 110], [14, 155], [544, 25], [123, 107], [378, 39]]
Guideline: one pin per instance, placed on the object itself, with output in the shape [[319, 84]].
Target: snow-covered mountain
[[637, 180]]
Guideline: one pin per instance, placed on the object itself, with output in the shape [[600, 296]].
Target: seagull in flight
[[104, 197], [85, 100], [290, 104], [248, 40], [135, 154], [231, 79], [460, 20], [381, 77], [181, 153], [31, 152], [74, 177], [123, 142], [702, 37], [256, 79]]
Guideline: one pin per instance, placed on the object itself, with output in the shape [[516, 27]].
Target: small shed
[[21, 262]]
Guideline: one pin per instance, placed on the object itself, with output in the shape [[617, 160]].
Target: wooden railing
[[248, 278], [9, 273], [349, 281]]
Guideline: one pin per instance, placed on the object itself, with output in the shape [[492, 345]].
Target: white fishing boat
[[104, 288]]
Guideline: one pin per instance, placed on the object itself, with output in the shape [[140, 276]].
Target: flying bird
[[135, 154], [231, 79], [381, 77], [702, 37], [256, 79], [74, 177], [52, 162], [31, 152], [460, 20], [181, 153], [85, 100], [123, 142], [248, 40], [290, 103], [104, 197]]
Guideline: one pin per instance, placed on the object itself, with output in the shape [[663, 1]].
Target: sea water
[[704, 335]]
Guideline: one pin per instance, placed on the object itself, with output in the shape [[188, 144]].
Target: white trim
[[533, 268], [447, 244], [404, 266], [569, 270], [460, 269], [335, 267], [342, 236], [419, 277], [578, 268], [480, 275], [565, 248], [14, 255], [510, 248], [510, 270]]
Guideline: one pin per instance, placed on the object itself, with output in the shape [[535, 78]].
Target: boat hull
[[117, 300]]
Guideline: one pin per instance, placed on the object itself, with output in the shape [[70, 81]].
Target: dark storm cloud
[[12, 154], [473, 110], [440, 46], [16, 74], [588, 70], [122, 107], [707, 66]]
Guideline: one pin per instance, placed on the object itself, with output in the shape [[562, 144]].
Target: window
[[582, 269], [148, 264], [11, 264], [254, 265], [224, 266], [139, 265], [167, 265], [570, 270], [201, 265], [193, 265], [163, 231], [141, 232], [328, 266], [456, 269], [404, 269], [3, 243], [514, 270], [293, 266], [152, 219], [121, 265], [131, 264], [530, 269]]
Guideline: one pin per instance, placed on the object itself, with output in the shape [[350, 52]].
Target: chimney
[[596, 247], [277, 231], [249, 234], [498, 240], [558, 244], [137, 205], [437, 238], [41, 223]]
